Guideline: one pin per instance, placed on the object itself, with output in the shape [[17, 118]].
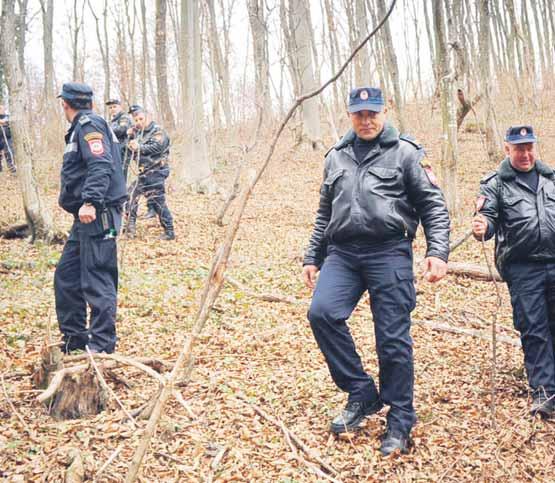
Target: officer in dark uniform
[[120, 123], [6, 143], [150, 145], [93, 191], [376, 188], [517, 205]]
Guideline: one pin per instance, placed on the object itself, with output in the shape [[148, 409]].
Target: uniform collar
[[78, 116], [507, 172]]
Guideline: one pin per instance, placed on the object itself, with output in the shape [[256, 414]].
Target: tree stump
[[79, 394]]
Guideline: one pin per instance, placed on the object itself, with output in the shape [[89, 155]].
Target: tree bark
[[259, 31], [47, 9], [449, 125], [160, 60], [38, 216], [196, 170]]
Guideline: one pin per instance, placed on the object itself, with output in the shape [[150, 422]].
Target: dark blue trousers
[[87, 274], [532, 289], [386, 272]]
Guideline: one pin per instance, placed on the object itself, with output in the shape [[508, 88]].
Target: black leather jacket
[[381, 199], [522, 221], [154, 149]]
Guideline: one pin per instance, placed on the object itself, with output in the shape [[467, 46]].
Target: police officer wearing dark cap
[[120, 123], [150, 145], [516, 204], [376, 188], [93, 191]]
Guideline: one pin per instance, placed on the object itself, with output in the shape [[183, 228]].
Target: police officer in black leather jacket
[[517, 205], [377, 186], [93, 191]]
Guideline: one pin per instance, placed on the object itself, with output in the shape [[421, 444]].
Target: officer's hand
[[133, 145], [87, 214], [131, 131], [479, 225], [434, 269], [3, 122], [309, 275]]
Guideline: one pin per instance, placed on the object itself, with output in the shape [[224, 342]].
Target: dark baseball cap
[[76, 91], [366, 99], [520, 135], [109, 102], [135, 108]]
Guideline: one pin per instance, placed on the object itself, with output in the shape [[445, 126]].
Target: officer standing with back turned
[[376, 188], [517, 205], [93, 191]]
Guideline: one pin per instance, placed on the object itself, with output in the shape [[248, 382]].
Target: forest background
[[220, 76]]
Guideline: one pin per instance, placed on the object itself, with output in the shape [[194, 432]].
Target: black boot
[[543, 405], [353, 414], [393, 440], [168, 235]]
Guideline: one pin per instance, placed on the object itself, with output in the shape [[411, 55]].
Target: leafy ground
[[264, 352]]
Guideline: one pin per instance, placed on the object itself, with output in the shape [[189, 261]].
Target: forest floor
[[256, 353]]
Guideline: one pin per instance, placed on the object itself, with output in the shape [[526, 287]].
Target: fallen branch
[[108, 462], [267, 297], [108, 388], [289, 435], [215, 279], [12, 407], [471, 270]]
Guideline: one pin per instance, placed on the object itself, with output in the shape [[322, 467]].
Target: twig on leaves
[[108, 462], [290, 436], [12, 407], [108, 388]]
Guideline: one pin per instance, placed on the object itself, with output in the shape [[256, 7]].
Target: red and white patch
[[480, 202], [96, 147], [431, 175], [523, 132], [364, 95]]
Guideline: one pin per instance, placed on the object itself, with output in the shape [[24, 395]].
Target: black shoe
[[150, 214], [543, 405], [393, 440], [169, 235], [353, 414]]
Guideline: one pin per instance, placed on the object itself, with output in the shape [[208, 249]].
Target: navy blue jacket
[[154, 149], [92, 170]]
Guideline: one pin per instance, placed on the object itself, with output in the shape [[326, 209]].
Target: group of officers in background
[[6, 144]]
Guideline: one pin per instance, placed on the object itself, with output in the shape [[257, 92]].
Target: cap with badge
[[110, 102], [73, 91], [135, 108], [520, 135], [366, 99]]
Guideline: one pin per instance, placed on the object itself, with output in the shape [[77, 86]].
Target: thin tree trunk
[[38, 216], [161, 65], [47, 9], [447, 95]]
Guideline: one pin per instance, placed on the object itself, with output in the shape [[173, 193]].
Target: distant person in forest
[[516, 204], [150, 146], [93, 191], [120, 123], [376, 188], [6, 143]]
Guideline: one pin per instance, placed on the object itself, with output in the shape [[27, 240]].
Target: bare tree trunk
[[160, 60], [21, 32], [392, 67], [47, 9], [38, 217], [259, 31], [447, 96], [103, 44], [220, 67], [196, 169], [76, 24], [301, 57], [492, 133]]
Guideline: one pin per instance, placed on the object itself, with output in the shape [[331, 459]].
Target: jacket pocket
[[383, 173], [333, 177]]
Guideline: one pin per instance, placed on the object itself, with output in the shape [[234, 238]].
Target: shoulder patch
[[487, 177], [93, 135], [429, 171], [84, 120], [410, 140]]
